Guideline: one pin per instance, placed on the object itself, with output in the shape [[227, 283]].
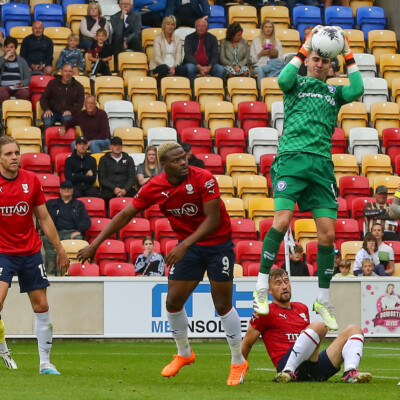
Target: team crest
[[331, 89], [25, 187], [281, 185], [189, 189]]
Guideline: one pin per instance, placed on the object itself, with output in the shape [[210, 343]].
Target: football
[[327, 42]]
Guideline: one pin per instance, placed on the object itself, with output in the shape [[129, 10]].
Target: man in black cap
[[70, 219], [116, 172], [378, 213], [81, 170], [192, 159]]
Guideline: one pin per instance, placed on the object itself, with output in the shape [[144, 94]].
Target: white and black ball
[[327, 42]]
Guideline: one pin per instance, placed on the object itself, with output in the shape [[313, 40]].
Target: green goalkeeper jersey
[[311, 108]]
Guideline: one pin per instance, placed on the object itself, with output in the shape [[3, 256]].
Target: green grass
[[131, 370]]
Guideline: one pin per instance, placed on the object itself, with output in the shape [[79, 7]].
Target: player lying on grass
[[303, 171], [189, 197], [293, 343]]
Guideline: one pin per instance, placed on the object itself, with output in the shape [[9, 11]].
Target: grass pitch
[[131, 370]]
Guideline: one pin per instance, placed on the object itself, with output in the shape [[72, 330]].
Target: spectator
[[367, 266], [385, 253], [1, 44], [344, 270], [72, 55], [150, 167], [275, 64], [14, 73], [62, 98], [192, 159], [90, 24], [260, 49], [234, 53], [70, 219], [378, 212], [201, 53], [167, 52], [297, 266], [126, 26], [81, 170], [149, 263], [37, 50], [151, 11], [369, 250], [187, 12], [100, 53], [116, 172], [94, 126], [338, 259]]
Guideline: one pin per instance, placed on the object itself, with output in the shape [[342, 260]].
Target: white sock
[[44, 334], [352, 351], [178, 323], [302, 350], [323, 295], [232, 327], [262, 281]]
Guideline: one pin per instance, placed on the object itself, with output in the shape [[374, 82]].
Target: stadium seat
[[37, 87], [163, 232], [132, 63], [219, 33], [370, 18], [355, 4], [212, 162], [198, 138], [148, 35], [356, 40], [396, 90], [119, 269], [72, 246], [266, 161], [390, 181], [242, 89], [219, 115], [120, 114], [264, 227], [382, 42], [391, 142], [346, 229], [117, 204], [152, 114], [109, 251], [250, 186], [228, 141], [279, 15], [234, 207], [248, 251], [132, 139], [156, 136], [349, 249], [396, 249], [37, 162], [245, 15], [85, 82], [50, 184], [390, 67], [250, 34], [108, 88], [363, 141], [339, 16], [186, 114], [375, 89], [225, 184], [175, 88], [95, 206], [217, 17], [252, 114], [75, 13], [136, 229], [270, 91], [304, 16], [373, 164], [344, 164], [353, 115], [357, 210], [366, 63], [153, 213], [238, 164], [142, 88], [290, 40], [15, 14], [59, 164], [16, 113], [311, 254], [237, 271], [263, 141], [136, 249], [338, 81], [260, 208], [243, 229], [352, 187], [20, 33], [97, 225], [29, 139], [385, 115], [66, 3], [277, 115], [59, 36], [169, 245], [109, 9], [305, 231], [78, 269], [208, 89], [51, 15], [339, 144]]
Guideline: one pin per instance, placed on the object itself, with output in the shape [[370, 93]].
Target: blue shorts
[[310, 371], [30, 270], [217, 259]]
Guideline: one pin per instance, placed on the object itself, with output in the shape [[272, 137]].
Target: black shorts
[[218, 260], [30, 270], [310, 371]]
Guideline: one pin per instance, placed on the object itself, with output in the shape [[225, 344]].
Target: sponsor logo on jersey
[[331, 89], [304, 316], [187, 209], [165, 194], [21, 209], [25, 187], [281, 185], [189, 189], [292, 337], [282, 315]]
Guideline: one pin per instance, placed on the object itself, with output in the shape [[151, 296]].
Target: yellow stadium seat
[[16, 113], [108, 88], [88, 64], [338, 81], [245, 15], [396, 269], [260, 208], [353, 115], [279, 15], [382, 42], [250, 34], [356, 40], [219, 115], [354, 4], [148, 35], [390, 181], [242, 89], [59, 36], [385, 115], [142, 88], [344, 164], [270, 91], [237, 271], [234, 207], [290, 39], [72, 246], [20, 33], [219, 33], [390, 67], [132, 139], [175, 88], [132, 63], [29, 138], [208, 89], [225, 184], [305, 231], [373, 164], [152, 114], [349, 249], [75, 13], [238, 164], [396, 90], [33, 3], [250, 186], [85, 82]]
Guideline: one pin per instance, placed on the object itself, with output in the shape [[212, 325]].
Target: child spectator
[[275, 64], [100, 53], [367, 267], [344, 268], [72, 55], [297, 266]]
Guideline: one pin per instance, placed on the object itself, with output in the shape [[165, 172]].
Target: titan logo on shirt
[[188, 209], [21, 209]]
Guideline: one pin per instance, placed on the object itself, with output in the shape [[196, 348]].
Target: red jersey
[[183, 204], [18, 196], [281, 327]]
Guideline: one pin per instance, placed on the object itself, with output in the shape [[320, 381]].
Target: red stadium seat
[[339, 144], [50, 184], [229, 140], [110, 251], [169, 245], [346, 229], [136, 229], [343, 211], [396, 249], [266, 161], [264, 227], [153, 213], [248, 251], [311, 254], [36, 162], [59, 164], [185, 114], [78, 269], [352, 187], [136, 249], [252, 114], [198, 138], [391, 142], [357, 210], [95, 206], [37, 87], [56, 143], [98, 224], [243, 229], [117, 204], [120, 269], [397, 165], [163, 232], [280, 257], [253, 268], [212, 162], [310, 269]]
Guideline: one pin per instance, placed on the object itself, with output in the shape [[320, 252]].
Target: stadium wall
[[392, 12], [135, 307]]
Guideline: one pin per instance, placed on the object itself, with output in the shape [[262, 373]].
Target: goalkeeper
[[303, 170]]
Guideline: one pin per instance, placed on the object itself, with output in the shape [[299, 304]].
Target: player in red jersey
[[189, 197], [293, 343], [21, 197]]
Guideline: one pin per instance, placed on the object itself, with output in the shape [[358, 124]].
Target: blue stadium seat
[[217, 17], [370, 18], [49, 14], [15, 14], [66, 3], [304, 16], [339, 16]]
